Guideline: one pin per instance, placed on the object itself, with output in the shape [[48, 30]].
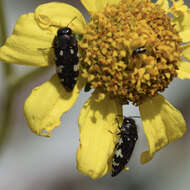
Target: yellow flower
[[110, 64]]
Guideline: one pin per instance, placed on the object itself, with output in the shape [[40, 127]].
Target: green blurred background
[[29, 162]]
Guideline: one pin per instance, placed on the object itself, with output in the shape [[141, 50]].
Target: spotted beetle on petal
[[66, 59], [124, 148]]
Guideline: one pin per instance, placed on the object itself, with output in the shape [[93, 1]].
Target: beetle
[[128, 136], [139, 51], [66, 57]]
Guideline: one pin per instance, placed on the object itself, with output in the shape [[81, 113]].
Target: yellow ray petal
[[181, 14], [47, 103], [184, 70], [186, 51], [185, 35], [178, 7], [164, 4], [55, 14], [98, 126], [96, 5], [23, 46], [182, 21], [162, 124]]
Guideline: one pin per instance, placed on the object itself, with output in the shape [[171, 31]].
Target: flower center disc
[[111, 60]]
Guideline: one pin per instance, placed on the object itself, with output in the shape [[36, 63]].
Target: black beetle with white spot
[[124, 148], [66, 58]]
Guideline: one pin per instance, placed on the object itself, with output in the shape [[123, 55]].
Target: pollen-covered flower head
[[112, 39], [129, 51]]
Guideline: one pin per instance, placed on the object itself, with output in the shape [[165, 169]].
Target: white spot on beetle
[[76, 68], [72, 51], [61, 53], [118, 153], [120, 141], [115, 164], [59, 69]]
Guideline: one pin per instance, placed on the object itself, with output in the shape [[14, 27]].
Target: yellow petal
[[184, 70], [55, 14], [162, 124], [47, 103], [96, 5], [185, 35], [186, 51], [110, 2], [164, 4], [181, 16], [178, 7], [182, 21], [23, 46], [98, 126]]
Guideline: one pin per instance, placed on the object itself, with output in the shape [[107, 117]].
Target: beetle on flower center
[[128, 53]]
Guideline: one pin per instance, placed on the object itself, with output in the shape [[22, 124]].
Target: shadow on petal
[[47, 103]]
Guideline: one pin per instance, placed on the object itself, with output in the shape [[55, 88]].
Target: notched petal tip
[[93, 173], [97, 143], [54, 15], [145, 157], [45, 105], [162, 124]]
